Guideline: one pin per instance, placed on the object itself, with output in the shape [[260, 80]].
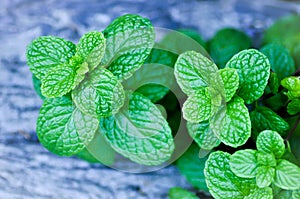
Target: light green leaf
[[263, 118], [59, 81], [62, 128], [82, 69], [226, 43], [296, 194], [253, 68], [231, 124], [192, 167], [280, 59], [222, 182], [139, 132], [100, 95], [270, 142], [266, 159], [264, 176], [287, 175], [203, 135], [293, 86], [243, 163], [265, 193], [91, 48], [48, 52], [230, 79], [197, 108], [294, 107], [129, 40], [179, 193], [194, 71]]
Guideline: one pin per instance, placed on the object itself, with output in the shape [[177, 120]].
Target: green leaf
[[294, 107], [273, 84], [91, 48], [62, 128], [139, 132], [192, 167], [203, 135], [293, 86], [270, 142], [231, 124], [179, 193], [264, 176], [243, 163], [280, 59], [59, 81], [194, 71], [161, 56], [37, 86], [266, 159], [226, 43], [253, 68], [287, 175], [265, 193], [100, 95], [154, 92], [296, 194], [263, 118], [197, 108], [48, 52], [222, 182], [129, 40], [81, 71], [277, 101], [230, 79]]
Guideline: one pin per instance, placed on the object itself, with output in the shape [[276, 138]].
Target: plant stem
[[293, 129]]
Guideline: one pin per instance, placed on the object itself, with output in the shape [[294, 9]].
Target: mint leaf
[[264, 176], [46, 53], [253, 68], [263, 118], [230, 79], [293, 86], [287, 175], [82, 69], [226, 43], [197, 108], [270, 142], [264, 193], [296, 194], [273, 84], [280, 59], [243, 163], [62, 128], [100, 95], [192, 167], [37, 86], [266, 159], [294, 107], [91, 48], [203, 135], [129, 40], [59, 81], [231, 124], [222, 182], [194, 71], [154, 92], [179, 193], [139, 132]]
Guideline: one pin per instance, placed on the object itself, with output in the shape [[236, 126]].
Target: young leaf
[[263, 118], [179, 193], [91, 48], [293, 86], [129, 40], [264, 193], [58, 81], [264, 176], [82, 69], [243, 163], [222, 182], [62, 128], [253, 68], [266, 159], [48, 52], [294, 107], [194, 71], [230, 79], [287, 175], [232, 123], [280, 59], [192, 167], [197, 108], [203, 135], [270, 142], [100, 95], [139, 132]]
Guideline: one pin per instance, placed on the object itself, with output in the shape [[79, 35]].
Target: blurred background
[[27, 170]]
